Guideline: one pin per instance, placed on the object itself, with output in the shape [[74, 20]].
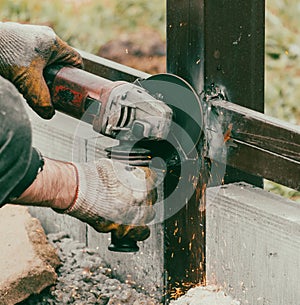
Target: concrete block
[[253, 237], [27, 261], [253, 245]]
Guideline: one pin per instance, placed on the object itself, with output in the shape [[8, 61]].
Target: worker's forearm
[[54, 187], [106, 195]]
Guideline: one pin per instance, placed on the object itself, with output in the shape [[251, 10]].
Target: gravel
[[85, 279]]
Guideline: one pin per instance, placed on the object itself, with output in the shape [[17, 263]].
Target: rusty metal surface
[[71, 87]]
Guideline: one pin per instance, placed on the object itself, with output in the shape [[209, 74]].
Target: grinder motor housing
[[116, 109]]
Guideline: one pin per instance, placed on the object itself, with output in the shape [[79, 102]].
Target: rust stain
[[227, 134]]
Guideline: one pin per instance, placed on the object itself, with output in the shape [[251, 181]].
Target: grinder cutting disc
[[187, 126]]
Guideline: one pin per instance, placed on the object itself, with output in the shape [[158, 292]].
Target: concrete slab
[[253, 237], [253, 244], [27, 261]]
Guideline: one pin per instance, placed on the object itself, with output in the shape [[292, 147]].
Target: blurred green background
[[282, 60], [88, 24]]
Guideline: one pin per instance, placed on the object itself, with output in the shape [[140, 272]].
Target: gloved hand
[[25, 50], [115, 196]]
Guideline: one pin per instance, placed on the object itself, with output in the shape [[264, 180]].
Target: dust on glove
[[25, 50], [115, 196]]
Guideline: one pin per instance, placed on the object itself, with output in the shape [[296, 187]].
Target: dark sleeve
[[19, 161]]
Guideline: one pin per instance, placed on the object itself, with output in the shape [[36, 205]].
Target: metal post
[[220, 43], [185, 231]]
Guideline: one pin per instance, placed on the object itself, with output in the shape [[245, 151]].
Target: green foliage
[[282, 60], [87, 24], [282, 190], [131, 13]]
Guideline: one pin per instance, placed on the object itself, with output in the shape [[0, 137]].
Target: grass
[[282, 60], [87, 24]]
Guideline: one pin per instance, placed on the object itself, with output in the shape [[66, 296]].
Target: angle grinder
[[158, 120]]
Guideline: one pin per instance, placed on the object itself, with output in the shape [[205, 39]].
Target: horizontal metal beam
[[261, 145], [109, 69]]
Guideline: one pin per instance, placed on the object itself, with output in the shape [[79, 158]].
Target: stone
[[27, 260]]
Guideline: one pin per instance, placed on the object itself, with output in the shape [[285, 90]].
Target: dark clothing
[[19, 162]]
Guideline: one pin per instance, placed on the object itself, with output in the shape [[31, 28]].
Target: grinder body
[[118, 109]]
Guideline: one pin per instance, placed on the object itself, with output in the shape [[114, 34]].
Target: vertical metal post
[[185, 231], [219, 42], [185, 40]]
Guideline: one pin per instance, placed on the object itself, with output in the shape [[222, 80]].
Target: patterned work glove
[[25, 50], [115, 196]]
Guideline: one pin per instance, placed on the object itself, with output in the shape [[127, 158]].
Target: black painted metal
[[185, 231], [185, 41], [219, 43], [261, 145], [234, 49]]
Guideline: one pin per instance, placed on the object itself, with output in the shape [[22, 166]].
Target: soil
[[144, 50]]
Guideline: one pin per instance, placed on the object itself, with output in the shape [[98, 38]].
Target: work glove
[[113, 196], [25, 50]]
